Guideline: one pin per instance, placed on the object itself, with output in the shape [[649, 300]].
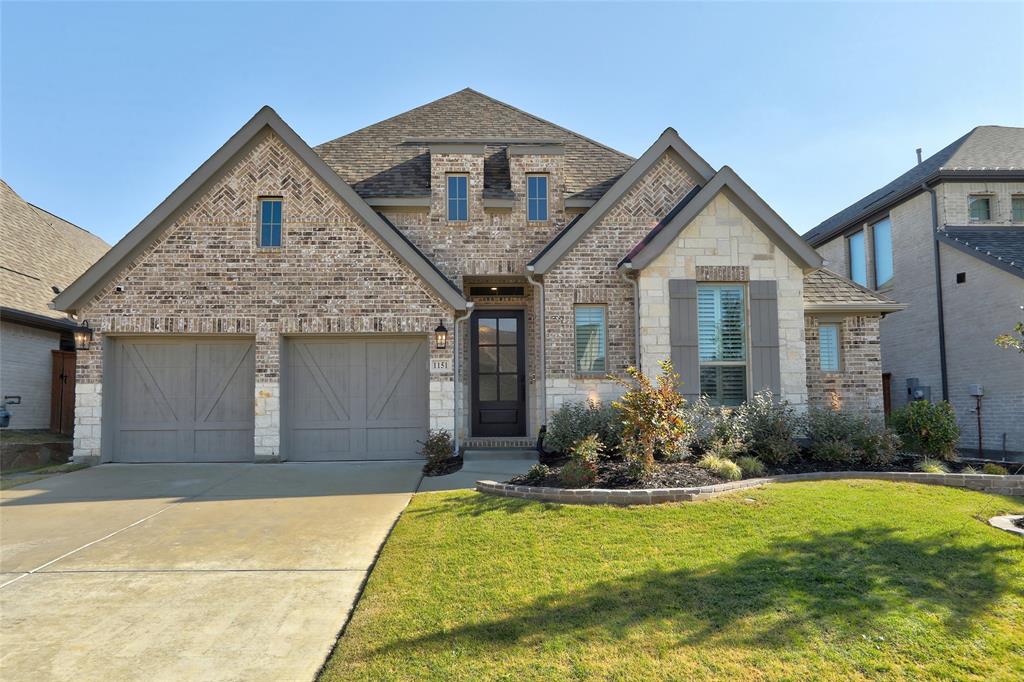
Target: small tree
[[1011, 342], [651, 413], [928, 428]]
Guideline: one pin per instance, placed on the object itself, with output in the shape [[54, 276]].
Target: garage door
[[181, 399], [355, 398]]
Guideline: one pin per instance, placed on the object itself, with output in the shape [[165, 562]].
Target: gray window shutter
[[764, 336], [683, 334]]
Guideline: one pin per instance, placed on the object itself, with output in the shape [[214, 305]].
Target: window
[[858, 259], [1017, 206], [722, 343], [270, 222], [458, 197], [591, 339], [828, 347], [882, 231], [979, 208], [536, 197]]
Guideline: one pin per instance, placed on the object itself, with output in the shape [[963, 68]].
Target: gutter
[[938, 289], [542, 374], [456, 366], [627, 267]]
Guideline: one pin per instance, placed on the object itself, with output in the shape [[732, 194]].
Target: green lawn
[[826, 580]]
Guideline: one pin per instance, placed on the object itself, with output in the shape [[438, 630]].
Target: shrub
[[721, 467], [573, 422], [846, 439], [994, 469], [651, 413], [932, 466], [878, 447], [968, 469], [928, 428], [712, 429], [751, 467], [438, 448], [588, 450], [766, 427], [577, 473], [537, 474]]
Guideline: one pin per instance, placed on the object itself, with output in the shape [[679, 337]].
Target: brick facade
[[857, 386]]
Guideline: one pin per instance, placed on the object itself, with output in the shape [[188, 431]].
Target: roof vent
[[918, 156]]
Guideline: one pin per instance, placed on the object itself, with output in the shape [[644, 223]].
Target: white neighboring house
[[40, 254]]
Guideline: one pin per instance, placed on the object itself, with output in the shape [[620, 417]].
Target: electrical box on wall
[[915, 391], [976, 390]]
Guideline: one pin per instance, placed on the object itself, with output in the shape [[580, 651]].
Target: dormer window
[[536, 197], [458, 198]]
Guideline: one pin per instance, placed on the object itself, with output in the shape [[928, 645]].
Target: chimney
[[919, 156]]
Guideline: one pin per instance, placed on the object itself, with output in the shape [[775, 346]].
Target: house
[[947, 239], [464, 265], [40, 255]]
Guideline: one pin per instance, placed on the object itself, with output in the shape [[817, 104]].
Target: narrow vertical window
[[591, 339], [882, 231], [1017, 204], [722, 343], [979, 208], [536, 197], [828, 347], [858, 259], [270, 222], [458, 197]]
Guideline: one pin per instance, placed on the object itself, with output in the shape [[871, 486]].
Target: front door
[[498, 361]]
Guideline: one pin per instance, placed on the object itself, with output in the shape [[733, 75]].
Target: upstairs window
[[270, 222], [1017, 204], [828, 347], [536, 197], [591, 339], [858, 259], [882, 235], [722, 343], [979, 208], [458, 197]]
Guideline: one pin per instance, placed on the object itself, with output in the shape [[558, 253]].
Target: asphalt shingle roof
[[986, 148], [379, 162], [824, 287], [40, 251], [1000, 246]]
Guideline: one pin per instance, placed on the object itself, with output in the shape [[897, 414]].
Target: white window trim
[[839, 347], [746, 363], [260, 201], [547, 197], [575, 329], [447, 197]]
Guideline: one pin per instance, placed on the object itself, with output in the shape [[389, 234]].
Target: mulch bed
[[614, 474], [449, 466]]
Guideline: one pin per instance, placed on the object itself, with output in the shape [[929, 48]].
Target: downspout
[[938, 289], [456, 367], [635, 283], [541, 374]]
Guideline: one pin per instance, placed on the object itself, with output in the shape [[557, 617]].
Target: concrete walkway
[[188, 572], [481, 465]]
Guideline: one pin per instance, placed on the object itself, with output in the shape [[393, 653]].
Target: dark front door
[[498, 361]]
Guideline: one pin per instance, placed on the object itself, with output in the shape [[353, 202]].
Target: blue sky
[[107, 107]]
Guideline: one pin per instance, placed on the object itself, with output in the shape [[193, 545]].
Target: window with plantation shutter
[[591, 339], [828, 347], [722, 343]]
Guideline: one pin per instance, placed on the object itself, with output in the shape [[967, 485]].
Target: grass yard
[[826, 580]]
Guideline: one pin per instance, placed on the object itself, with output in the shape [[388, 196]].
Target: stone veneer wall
[[588, 275], [857, 386], [721, 235], [206, 275]]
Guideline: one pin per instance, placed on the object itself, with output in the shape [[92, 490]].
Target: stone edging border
[[1001, 485]]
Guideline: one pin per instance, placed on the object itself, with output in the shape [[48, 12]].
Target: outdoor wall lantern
[[441, 336], [83, 335]]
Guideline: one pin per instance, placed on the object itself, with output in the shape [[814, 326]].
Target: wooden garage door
[[183, 400], [355, 398]]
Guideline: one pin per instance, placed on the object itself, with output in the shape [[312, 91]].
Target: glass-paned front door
[[498, 373]]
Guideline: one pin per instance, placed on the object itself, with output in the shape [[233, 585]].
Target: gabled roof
[[565, 240], [391, 158], [40, 251], [746, 199], [994, 151], [828, 292], [79, 292], [1002, 247]]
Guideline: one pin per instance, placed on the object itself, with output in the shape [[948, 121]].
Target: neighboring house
[[464, 265], [40, 254], [947, 239]]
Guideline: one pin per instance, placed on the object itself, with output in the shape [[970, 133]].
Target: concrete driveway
[[189, 571]]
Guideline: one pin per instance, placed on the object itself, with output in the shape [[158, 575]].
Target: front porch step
[[481, 443], [497, 454]]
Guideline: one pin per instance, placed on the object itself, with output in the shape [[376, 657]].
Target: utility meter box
[[976, 390]]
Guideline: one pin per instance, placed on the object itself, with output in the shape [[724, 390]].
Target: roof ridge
[[547, 122], [65, 220], [390, 118]]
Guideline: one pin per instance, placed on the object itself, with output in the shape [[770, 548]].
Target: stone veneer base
[[1001, 485]]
